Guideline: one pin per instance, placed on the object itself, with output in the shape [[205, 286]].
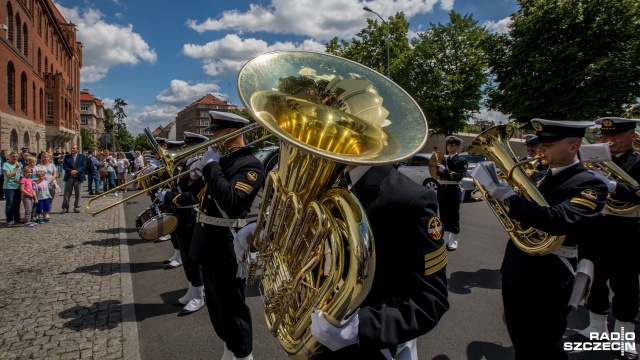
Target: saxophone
[[316, 248]]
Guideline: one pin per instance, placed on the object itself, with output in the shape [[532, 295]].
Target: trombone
[[170, 160]]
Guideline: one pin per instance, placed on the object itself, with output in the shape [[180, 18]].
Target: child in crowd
[[31, 162], [28, 195], [43, 206]]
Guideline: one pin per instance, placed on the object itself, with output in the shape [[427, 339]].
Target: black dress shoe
[[177, 303], [64, 211], [628, 356], [185, 312], [166, 262]]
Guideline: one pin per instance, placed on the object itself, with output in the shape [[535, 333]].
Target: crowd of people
[[29, 182]]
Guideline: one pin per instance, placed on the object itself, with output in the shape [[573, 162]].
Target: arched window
[[39, 20], [18, 32], [11, 86], [13, 140], [23, 92], [26, 139], [46, 63], [46, 32], [11, 31], [41, 105], [39, 62], [25, 40]]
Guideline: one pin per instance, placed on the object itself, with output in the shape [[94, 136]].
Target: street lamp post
[[368, 9]]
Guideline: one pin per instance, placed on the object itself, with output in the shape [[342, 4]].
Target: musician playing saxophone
[[616, 262], [232, 183], [536, 289], [409, 291]]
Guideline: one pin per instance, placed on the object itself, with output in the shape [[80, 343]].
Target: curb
[[131, 347]]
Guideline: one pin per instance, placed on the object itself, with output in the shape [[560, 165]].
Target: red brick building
[[195, 117], [91, 113], [40, 61]]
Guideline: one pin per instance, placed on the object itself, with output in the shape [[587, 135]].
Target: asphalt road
[[473, 328]]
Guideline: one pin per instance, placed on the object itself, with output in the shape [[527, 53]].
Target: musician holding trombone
[[232, 183], [536, 288], [616, 262]]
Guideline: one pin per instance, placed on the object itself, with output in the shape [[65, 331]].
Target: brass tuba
[[493, 143], [315, 242]]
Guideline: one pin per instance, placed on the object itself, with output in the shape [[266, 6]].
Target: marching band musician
[[231, 185], [531, 142], [449, 191], [536, 289], [616, 263], [182, 201], [176, 259], [409, 291]]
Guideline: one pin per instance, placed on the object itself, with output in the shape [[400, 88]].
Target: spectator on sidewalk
[[28, 195], [57, 161], [23, 156], [123, 166], [3, 159], [93, 175], [43, 207], [51, 173], [108, 163], [74, 166], [12, 171]]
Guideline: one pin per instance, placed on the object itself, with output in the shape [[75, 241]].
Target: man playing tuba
[[536, 289]]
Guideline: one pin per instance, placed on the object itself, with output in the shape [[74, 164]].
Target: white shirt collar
[[555, 171], [357, 173]]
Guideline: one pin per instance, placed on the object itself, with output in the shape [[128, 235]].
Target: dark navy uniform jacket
[[456, 168], [409, 291], [233, 184], [630, 163], [576, 197]]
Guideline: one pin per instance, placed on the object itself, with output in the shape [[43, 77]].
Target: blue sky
[[162, 57]]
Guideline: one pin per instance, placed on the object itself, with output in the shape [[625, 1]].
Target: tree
[[142, 143], [118, 121], [88, 141], [447, 71], [370, 46], [569, 59]]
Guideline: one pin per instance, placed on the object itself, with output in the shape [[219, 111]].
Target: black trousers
[[615, 261], [184, 231], [229, 315], [449, 205], [536, 320]]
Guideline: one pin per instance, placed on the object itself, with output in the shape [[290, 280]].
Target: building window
[[11, 80], [83, 120], [204, 122], [13, 140], [9, 24], [49, 105], [84, 107], [25, 40], [39, 62], [41, 105], [18, 32], [33, 100], [26, 140], [23, 92]]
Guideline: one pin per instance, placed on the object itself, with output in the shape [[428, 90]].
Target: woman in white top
[[50, 173], [123, 165]]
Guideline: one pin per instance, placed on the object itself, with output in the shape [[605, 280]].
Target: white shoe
[[227, 355], [164, 238], [115, 194], [248, 357], [173, 264], [452, 244], [175, 256]]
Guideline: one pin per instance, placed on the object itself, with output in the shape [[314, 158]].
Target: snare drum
[[153, 223]]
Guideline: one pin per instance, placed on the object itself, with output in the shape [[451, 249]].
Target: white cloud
[[321, 20], [180, 93], [151, 117], [105, 45], [500, 26], [495, 116], [227, 55]]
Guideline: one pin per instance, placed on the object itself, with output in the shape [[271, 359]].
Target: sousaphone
[[315, 242]]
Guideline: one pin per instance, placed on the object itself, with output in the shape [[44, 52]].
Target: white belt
[[216, 221], [635, 214], [445, 182], [569, 252]]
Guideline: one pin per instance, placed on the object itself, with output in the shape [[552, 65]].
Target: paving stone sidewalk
[[65, 287]]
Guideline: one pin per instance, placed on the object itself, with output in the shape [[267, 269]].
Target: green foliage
[[88, 141], [142, 143], [567, 59]]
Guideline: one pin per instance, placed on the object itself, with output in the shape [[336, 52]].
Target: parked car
[[417, 169]]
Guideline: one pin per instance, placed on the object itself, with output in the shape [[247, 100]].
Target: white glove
[[611, 184], [209, 156], [441, 168], [500, 191], [241, 241], [335, 338], [160, 195], [195, 170]]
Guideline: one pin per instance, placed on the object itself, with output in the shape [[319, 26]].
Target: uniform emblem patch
[[244, 187], [252, 176], [607, 123], [536, 125], [434, 228], [589, 194]]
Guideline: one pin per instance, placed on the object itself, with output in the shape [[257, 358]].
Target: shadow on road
[[461, 282], [477, 350], [107, 269]]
